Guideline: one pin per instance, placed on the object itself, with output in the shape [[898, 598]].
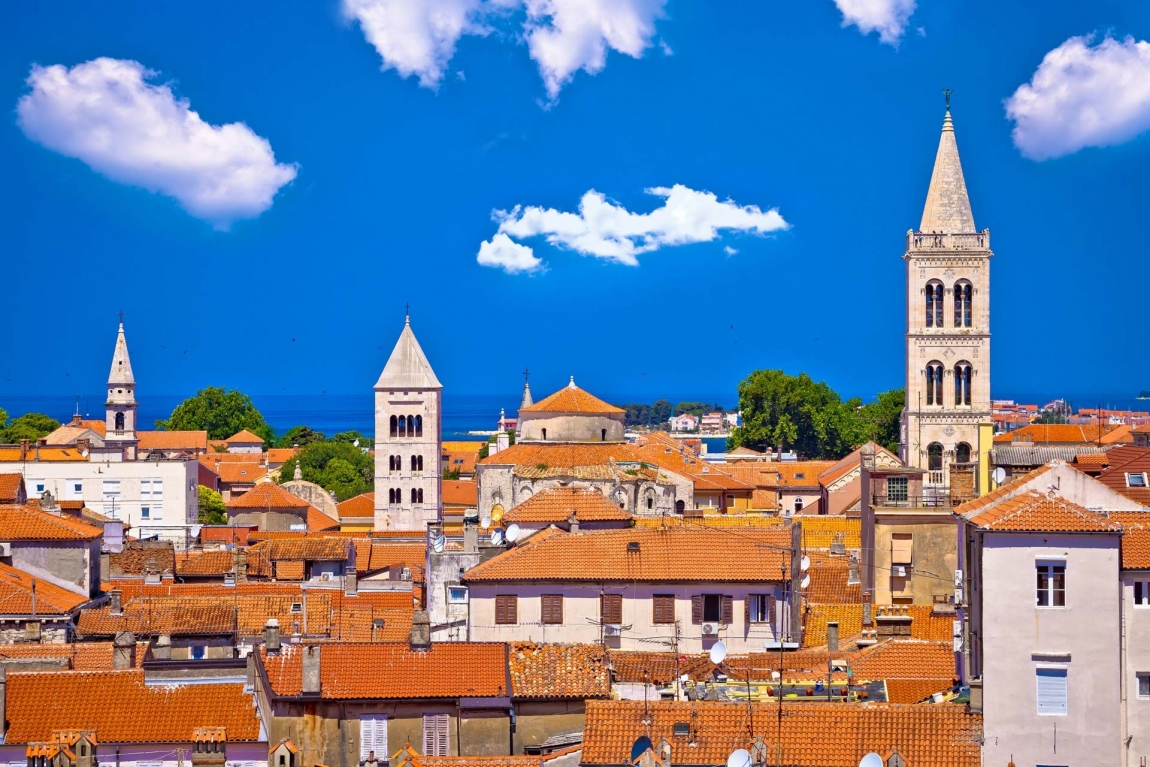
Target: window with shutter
[[697, 609], [1142, 593], [611, 608], [900, 549], [663, 608], [727, 616], [1052, 691], [551, 608], [435, 734], [373, 736], [506, 612]]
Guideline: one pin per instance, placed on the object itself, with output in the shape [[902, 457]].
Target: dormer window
[[1136, 479]]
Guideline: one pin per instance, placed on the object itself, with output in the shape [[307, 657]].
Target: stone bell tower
[[408, 447], [120, 408], [946, 425]]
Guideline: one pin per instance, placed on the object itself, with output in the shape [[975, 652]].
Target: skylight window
[[1136, 480]]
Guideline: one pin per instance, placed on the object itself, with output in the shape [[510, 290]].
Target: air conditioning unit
[[899, 571], [612, 630], [710, 629], [958, 596]]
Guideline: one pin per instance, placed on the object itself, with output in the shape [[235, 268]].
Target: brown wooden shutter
[[728, 615], [747, 610], [770, 616], [611, 608], [505, 609], [664, 608], [697, 609], [551, 608]]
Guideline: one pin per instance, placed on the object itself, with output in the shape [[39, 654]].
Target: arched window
[[394, 427], [962, 383], [413, 495], [798, 504], [602, 435], [934, 383], [413, 463], [962, 453], [419, 463], [963, 299], [544, 434], [419, 426], [410, 426], [934, 456], [650, 501], [419, 495], [934, 293], [402, 427], [390, 496], [680, 507], [119, 421]]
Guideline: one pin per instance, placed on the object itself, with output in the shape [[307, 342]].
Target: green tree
[[794, 412], [353, 437], [30, 426], [1051, 416], [299, 435], [212, 508], [660, 412], [220, 412], [881, 420], [338, 467]]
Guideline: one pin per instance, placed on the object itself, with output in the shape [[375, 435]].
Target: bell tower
[[120, 408], [408, 447], [946, 425]]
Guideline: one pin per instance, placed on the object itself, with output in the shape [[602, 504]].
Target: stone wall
[[313, 494], [568, 427]]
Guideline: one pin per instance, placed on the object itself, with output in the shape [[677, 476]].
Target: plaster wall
[[568, 427], [73, 565]]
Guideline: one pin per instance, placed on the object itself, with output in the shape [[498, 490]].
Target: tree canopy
[[299, 435], [30, 426], [219, 412], [338, 467], [809, 417], [213, 511]]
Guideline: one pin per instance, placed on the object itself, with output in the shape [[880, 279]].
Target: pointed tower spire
[[526, 401], [121, 374], [947, 205], [120, 408], [407, 367]]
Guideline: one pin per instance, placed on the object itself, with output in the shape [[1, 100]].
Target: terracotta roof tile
[[317, 521], [571, 399], [557, 504], [361, 506], [460, 492], [657, 667], [1036, 512], [462, 461], [1054, 433], [10, 484], [244, 437], [813, 734], [925, 624], [558, 671], [1124, 462], [639, 554], [278, 455], [1015, 486], [829, 576], [22, 523], [378, 671], [905, 659], [22, 594], [9, 454], [120, 708], [358, 624], [201, 563], [80, 656], [267, 495], [200, 615], [191, 441], [915, 690], [1135, 539], [235, 472], [143, 558]]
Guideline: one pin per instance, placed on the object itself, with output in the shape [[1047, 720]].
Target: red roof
[[244, 437], [10, 487], [572, 399], [21, 594], [1036, 512], [556, 504], [267, 495], [362, 506], [23, 523], [192, 441], [460, 492]]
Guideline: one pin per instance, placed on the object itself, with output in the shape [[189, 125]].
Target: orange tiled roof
[[905, 659], [1092, 459], [829, 576], [1135, 539], [173, 440], [925, 624], [678, 553], [558, 671], [244, 437], [143, 558], [241, 472], [1119, 435], [462, 461], [130, 589], [199, 615], [362, 506], [657, 667], [460, 492], [120, 708], [9, 454], [1035, 512], [267, 495], [915, 690], [22, 523], [10, 484], [572, 399], [557, 503], [321, 548], [201, 563], [96, 425], [822, 734], [1011, 488], [80, 656], [378, 671], [563, 455], [1125, 461], [357, 624], [317, 521], [18, 598], [1054, 433], [278, 455], [383, 555]]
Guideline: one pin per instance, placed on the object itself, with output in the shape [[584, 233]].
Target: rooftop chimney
[[420, 631], [24, 444], [311, 683], [573, 522], [272, 636], [470, 538], [163, 647], [241, 564], [124, 650], [833, 636], [115, 601]]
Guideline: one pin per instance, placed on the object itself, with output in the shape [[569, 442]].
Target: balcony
[[925, 241], [926, 500]]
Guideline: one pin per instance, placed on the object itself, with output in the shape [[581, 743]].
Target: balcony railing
[[905, 501], [942, 242]]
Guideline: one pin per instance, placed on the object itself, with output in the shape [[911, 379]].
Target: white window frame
[[1141, 475], [453, 595], [1052, 672], [373, 734], [760, 608], [1140, 678], [1049, 565]]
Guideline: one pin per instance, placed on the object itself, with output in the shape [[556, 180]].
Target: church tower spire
[[120, 408], [526, 401], [947, 204]]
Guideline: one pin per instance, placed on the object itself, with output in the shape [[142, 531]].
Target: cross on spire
[[121, 317], [526, 372], [407, 313], [946, 93]]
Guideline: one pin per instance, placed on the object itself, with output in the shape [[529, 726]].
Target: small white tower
[[408, 447], [120, 409]]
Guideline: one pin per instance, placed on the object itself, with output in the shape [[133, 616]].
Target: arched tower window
[[419, 463], [934, 383], [410, 426], [963, 301], [119, 421], [391, 495], [962, 453], [934, 456], [602, 435], [544, 434], [402, 427], [680, 507], [394, 427], [419, 426], [413, 495], [962, 383], [934, 293]]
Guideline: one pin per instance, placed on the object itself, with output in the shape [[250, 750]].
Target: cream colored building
[[946, 423], [408, 424]]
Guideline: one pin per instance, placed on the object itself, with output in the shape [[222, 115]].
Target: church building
[[408, 425], [946, 424]]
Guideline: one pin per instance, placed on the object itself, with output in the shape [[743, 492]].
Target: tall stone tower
[[120, 409], [946, 426], [408, 413]]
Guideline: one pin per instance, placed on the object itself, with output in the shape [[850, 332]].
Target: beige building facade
[[947, 335]]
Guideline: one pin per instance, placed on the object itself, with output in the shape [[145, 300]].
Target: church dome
[[571, 415]]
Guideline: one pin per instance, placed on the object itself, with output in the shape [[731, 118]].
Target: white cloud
[[106, 113], [565, 36], [887, 17], [506, 254], [416, 37], [609, 231], [729, 250], [1083, 96]]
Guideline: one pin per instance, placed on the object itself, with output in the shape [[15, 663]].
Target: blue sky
[[291, 274]]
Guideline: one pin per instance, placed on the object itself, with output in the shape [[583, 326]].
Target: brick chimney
[[272, 636], [311, 679], [241, 564], [124, 650], [833, 636], [470, 539], [24, 444], [420, 630], [350, 583]]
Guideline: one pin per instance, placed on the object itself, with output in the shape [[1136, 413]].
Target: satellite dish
[[439, 543], [871, 760], [739, 758], [497, 537], [641, 745], [806, 581], [718, 652], [485, 522], [496, 513], [999, 475], [512, 533], [805, 563]]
